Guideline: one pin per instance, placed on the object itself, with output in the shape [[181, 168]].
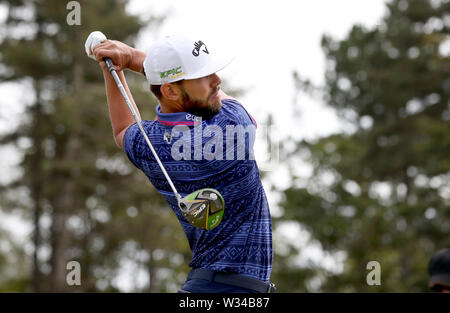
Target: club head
[[203, 208]]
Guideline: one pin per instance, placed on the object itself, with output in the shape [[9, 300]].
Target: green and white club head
[[203, 208]]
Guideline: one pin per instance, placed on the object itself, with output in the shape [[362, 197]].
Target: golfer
[[235, 256]]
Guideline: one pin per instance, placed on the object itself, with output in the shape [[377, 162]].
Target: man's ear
[[171, 91]]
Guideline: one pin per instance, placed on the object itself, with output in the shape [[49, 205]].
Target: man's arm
[[119, 113], [123, 57]]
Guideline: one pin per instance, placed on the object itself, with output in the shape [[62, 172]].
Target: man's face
[[201, 96]]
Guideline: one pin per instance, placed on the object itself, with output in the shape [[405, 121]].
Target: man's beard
[[201, 108]]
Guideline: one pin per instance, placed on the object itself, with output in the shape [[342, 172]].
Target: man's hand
[[92, 40], [121, 55]]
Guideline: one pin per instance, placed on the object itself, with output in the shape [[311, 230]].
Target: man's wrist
[[137, 61]]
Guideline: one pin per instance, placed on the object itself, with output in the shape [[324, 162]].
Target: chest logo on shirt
[[168, 137]]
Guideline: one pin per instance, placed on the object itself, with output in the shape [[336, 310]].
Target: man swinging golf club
[[224, 212]]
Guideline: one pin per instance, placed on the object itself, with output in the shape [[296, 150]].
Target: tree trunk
[[63, 203], [35, 188], [58, 243], [151, 273]]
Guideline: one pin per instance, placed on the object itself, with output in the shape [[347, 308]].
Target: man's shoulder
[[234, 109], [233, 105], [134, 130], [133, 138]]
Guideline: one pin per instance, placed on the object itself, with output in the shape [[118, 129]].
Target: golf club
[[202, 208]]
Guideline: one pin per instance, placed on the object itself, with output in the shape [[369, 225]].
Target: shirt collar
[[174, 119]]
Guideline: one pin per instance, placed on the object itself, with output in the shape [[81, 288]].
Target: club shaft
[[119, 84]]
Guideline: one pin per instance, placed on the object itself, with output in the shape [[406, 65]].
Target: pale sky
[[270, 39]]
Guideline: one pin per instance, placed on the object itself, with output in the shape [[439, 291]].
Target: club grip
[[109, 64]]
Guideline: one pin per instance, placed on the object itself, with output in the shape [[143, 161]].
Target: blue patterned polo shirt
[[211, 154]]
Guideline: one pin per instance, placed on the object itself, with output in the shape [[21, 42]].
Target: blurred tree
[[14, 266], [86, 201], [380, 191]]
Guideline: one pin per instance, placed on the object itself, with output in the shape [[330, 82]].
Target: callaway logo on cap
[[174, 58]]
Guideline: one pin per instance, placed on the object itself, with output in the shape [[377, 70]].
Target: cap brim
[[218, 64]]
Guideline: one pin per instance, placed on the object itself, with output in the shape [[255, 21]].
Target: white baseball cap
[[174, 58]]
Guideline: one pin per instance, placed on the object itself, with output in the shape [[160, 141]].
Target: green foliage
[[381, 192]]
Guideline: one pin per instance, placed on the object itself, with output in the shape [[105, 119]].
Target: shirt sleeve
[[242, 109], [130, 142], [239, 129]]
